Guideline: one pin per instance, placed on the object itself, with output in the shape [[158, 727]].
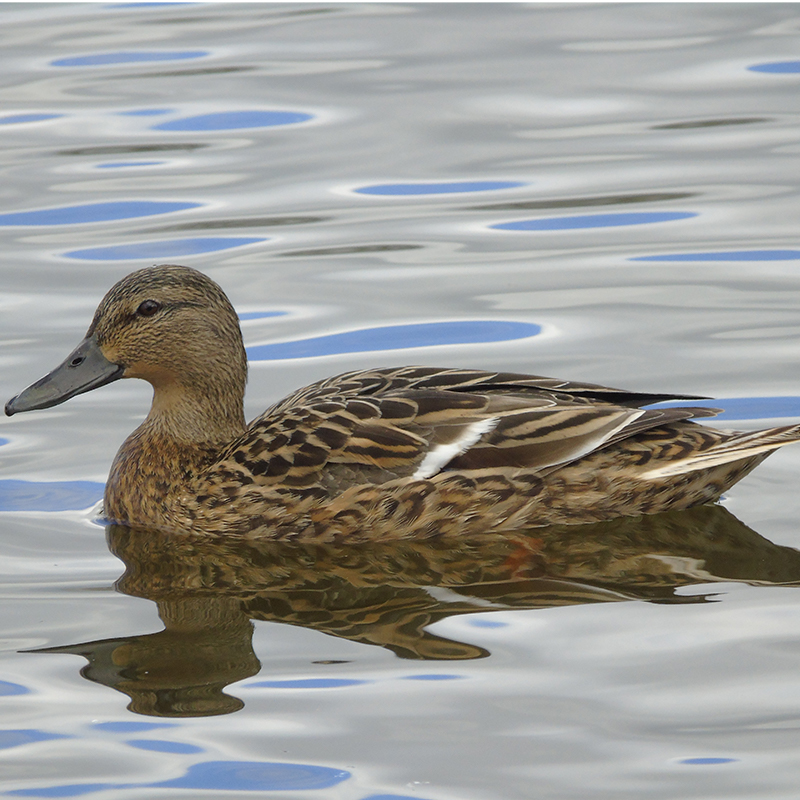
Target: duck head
[[170, 325]]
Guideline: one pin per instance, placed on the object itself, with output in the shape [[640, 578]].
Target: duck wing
[[383, 381], [379, 425]]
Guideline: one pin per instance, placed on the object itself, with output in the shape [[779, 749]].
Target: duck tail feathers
[[737, 447]]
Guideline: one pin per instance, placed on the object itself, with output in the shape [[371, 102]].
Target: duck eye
[[148, 308]]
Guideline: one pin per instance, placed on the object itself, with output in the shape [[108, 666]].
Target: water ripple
[[234, 120], [126, 164], [163, 249], [145, 112], [129, 726], [594, 221], [164, 746], [224, 776], [746, 407], [128, 57], [308, 683], [16, 119], [584, 202], [94, 212], [16, 738], [729, 255], [7, 688], [777, 67], [437, 188], [396, 337], [393, 797], [18, 495]]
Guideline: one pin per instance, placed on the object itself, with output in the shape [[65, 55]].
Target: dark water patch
[[709, 123], [451, 187], [234, 120], [163, 249], [346, 250], [584, 202], [433, 676], [396, 337], [186, 72], [306, 12], [707, 761], [248, 222], [178, 20], [123, 149], [594, 221]]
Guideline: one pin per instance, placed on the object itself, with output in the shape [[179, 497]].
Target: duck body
[[410, 452]]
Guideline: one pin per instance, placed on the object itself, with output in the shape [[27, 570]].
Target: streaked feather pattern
[[361, 456], [382, 454]]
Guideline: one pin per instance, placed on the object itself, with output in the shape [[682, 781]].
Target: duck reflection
[[209, 591]]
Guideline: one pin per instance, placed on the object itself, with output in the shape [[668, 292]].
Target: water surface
[[603, 193]]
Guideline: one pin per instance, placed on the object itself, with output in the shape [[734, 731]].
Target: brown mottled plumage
[[376, 454]]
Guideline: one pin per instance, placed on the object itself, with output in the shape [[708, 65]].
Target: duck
[[379, 454]]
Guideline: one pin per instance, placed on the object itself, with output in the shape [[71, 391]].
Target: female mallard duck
[[376, 454]]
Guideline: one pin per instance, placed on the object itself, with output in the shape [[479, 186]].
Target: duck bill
[[84, 369]]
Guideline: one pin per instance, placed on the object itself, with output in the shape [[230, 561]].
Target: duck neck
[[183, 433], [206, 419]]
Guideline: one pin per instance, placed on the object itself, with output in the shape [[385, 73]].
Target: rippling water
[[596, 192]]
